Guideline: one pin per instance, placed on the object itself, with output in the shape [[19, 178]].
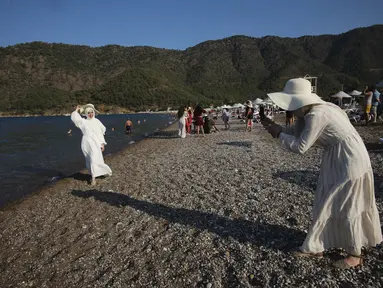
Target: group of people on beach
[[344, 213], [203, 121]]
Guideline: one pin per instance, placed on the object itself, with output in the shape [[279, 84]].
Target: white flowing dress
[[93, 137], [182, 127], [344, 213]]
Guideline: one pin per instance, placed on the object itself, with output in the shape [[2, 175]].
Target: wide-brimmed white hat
[[84, 107], [296, 94]]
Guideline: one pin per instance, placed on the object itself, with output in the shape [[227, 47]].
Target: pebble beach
[[224, 210]]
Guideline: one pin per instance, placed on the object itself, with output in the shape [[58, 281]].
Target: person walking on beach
[[128, 126], [182, 122], [345, 213], [375, 103], [93, 141], [198, 111], [249, 112], [226, 118], [368, 92]]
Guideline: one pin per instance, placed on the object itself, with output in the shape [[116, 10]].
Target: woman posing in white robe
[[93, 141], [345, 213], [182, 115]]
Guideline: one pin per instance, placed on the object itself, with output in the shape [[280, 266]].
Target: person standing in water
[[128, 126], [93, 141]]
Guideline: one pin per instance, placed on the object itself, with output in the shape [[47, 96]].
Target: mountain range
[[37, 77]]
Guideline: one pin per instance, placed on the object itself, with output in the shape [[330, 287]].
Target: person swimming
[[128, 126]]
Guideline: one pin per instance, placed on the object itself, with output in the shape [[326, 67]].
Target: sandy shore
[[219, 211]]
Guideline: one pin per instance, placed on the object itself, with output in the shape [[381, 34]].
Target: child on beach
[[189, 120], [226, 118]]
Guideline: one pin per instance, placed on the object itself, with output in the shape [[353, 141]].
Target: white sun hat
[[296, 94], [84, 107]]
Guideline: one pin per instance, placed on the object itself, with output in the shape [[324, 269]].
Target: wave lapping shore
[[223, 210]]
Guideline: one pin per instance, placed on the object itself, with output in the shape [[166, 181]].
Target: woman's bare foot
[[297, 252], [353, 261], [349, 262]]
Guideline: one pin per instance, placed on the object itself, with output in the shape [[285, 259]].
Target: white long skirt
[[94, 158], [181, 128], [344, 214]]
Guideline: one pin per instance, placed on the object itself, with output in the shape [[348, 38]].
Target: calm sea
[[39, 150]]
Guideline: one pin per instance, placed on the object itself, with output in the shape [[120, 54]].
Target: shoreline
[[46, 184], [223, 210], [68, 114]]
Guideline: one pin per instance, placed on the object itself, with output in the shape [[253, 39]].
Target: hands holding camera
[[273, 128]]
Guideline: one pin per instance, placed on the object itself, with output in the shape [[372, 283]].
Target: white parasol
[[341, 95], [238, 105], [355, 93], [257, 101]]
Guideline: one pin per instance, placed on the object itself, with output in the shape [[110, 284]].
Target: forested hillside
[[37, 77]]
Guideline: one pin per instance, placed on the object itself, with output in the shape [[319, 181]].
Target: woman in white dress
[[182, 116], [344, 213], [93, 141]]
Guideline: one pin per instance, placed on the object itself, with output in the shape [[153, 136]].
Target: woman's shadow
[[276, 237], [304, 178], [84, 177]]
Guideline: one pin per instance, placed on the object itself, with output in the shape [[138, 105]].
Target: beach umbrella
[[355, 93], [341, 95], [257, 101], [238, 105]]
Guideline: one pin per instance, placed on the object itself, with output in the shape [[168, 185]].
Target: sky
[[176, 24]]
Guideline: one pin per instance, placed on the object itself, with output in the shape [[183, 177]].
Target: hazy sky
[[177, 24]]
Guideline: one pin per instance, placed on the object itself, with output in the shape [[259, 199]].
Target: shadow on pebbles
[[223, 210]]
